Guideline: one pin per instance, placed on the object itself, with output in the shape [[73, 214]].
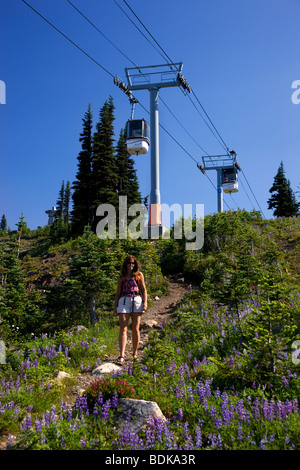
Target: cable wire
[[253, 194], [99, 31], [70, 40], [164, 52], [147, 39]]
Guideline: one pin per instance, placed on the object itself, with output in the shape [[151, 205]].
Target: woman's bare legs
[[123, 319], [136, 319]]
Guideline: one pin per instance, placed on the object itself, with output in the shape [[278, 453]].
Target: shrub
[[106, 389]]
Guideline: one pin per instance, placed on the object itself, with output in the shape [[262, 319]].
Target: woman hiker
[[130, 301]]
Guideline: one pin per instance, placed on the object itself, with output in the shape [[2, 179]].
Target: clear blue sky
[[239, 56]]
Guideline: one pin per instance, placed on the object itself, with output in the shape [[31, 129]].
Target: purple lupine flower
[[114, 401], [100, 399], [262, 444], [130, 368], [180, 414], [38, 425], [105, 410], [239, 432], [63, 406], [9, 443], [198, 437], [82, 443], [26, 423], [285, 381], [47, 418], [215, 440]]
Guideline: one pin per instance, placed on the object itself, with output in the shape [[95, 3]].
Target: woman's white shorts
[[130, 304]]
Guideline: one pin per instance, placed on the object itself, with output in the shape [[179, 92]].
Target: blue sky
[[239, 56]]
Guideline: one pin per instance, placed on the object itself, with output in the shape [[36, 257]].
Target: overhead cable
[[70, 40]]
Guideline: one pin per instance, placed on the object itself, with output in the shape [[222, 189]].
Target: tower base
[[153, 232]]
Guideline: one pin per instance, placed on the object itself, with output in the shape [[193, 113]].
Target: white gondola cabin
[[137, 136], [230, 180]]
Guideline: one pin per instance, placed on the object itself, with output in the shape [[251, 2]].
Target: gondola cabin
[[230, 180], [137, 136]]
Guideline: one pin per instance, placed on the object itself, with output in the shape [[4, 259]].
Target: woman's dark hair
[[128, 258]]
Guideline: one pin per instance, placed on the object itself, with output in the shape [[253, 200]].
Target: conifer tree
[[60, 202], [3, 223], [19, 309], [283, 199], [104, 169], [66, 203], [81, 214], [60, 230]]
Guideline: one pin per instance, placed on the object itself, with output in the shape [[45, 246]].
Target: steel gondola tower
[[153, 78]]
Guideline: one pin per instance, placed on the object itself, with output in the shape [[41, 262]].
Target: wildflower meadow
[[224, 371]]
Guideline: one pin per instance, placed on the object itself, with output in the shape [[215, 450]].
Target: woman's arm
[[117, 296], [144, 291]]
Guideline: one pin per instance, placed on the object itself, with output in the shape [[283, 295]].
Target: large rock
[[77, 329], [148, 324], [61, 375], [106, 368], [139, 411]]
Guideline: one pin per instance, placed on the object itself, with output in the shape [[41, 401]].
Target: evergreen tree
[[283, 199], [60, 228], [60, 202], [66, 203], [81, 214], [19, 309], [22, 230], [104, 168], [3, 223]]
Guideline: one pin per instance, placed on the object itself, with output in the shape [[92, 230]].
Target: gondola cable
[[70, 40]]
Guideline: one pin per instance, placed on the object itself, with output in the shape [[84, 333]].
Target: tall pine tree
[[3, 223], [60, 202], [104, 168], [283, 199], [66, 203], [82, 214]]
